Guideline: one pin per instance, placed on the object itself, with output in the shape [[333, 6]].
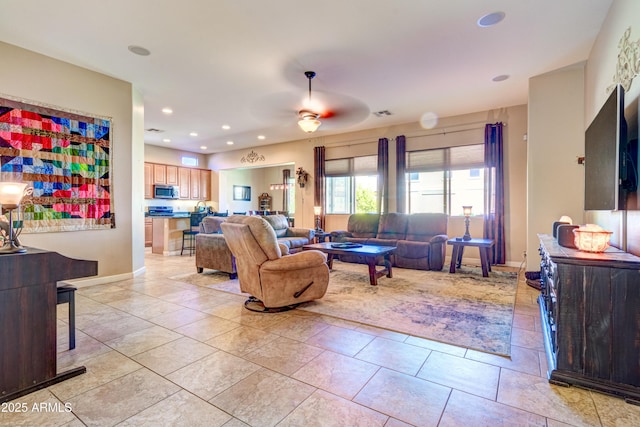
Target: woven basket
[[533, 279]]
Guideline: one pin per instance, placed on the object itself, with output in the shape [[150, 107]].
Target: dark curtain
[[319, 182], [286, 175], [494, 191], [382, 203], [401, 179]]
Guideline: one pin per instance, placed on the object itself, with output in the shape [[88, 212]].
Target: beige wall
[[31, 76], [555, 180], [600, 70], [562, 104], [447, 132]]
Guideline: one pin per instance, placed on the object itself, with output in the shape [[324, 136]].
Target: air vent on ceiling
[[154, 130], [382, 113]]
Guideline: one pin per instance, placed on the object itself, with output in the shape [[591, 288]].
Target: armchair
[[277, 282]]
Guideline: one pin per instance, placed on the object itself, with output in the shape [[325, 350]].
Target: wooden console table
[[28, 296], [590, 318]]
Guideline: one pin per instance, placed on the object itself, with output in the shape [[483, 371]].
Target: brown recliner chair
[[278, 282]]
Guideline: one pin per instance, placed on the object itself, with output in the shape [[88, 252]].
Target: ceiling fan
[[308, 119], [331, 110]]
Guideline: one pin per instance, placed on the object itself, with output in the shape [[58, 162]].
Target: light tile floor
[[159, 352]]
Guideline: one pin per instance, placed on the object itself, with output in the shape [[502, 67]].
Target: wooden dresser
[[590, 310]]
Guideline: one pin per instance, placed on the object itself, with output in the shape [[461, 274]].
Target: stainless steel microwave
[[161, 191]]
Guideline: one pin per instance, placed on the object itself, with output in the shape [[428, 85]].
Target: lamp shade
[[309, 124], [317, 210], [466, 210], [11, 194]]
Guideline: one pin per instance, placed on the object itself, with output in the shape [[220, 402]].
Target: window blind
[[461, 157]]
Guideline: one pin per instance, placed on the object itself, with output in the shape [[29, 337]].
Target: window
[[351, 185], [189, 161], [445, 179]]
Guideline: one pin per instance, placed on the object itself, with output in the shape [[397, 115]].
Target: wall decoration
[[303, 176], [628, 65], [252, 157], [66, 157], [241, 192]]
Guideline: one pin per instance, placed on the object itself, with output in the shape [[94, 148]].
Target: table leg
[[454, 256], [330, 261], [371, 262], [484, 260], [460, 251], [387, 264]]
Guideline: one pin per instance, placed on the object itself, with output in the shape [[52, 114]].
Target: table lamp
[[317, 211], [466, 211], [11, 194]]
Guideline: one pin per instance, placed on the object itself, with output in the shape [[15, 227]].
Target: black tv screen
[[605, 151]]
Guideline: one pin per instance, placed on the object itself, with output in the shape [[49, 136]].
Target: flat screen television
[[606, 172]]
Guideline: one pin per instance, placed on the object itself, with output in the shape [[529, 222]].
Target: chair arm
[[283, 248], [440, 238], [437, 251], [297, 261], [300, 232], [339, 235]]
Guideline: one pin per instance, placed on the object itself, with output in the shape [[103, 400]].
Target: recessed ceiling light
[[193, 134], [139, 50], [203, 147], [226, 127], [500, 78], [229, 142], [261, 137], [166, 140], [490, 19], [167, 110]]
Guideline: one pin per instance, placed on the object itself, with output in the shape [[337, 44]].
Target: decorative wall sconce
[[303, 177], [466, 211], [11, 194]]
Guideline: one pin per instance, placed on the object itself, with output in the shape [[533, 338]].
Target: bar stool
[[66, 294], [189, 235]]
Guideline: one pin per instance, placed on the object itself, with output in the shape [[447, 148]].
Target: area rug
[[463, 309]]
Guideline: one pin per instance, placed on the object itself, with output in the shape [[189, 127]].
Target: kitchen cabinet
[[148, 181], [205, 184], [193, 184], [148, 232], [159, 174], [194, 180], [172, 175], [184, 182]]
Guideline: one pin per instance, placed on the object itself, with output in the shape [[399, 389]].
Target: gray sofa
[[420, 238]]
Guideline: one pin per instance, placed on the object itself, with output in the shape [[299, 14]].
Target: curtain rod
[[442, 131]]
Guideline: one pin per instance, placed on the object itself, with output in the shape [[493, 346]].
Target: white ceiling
[[242, 62]]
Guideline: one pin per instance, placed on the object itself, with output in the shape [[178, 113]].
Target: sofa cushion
[[422, 227], [279, 223], [211, 224], [363, 225], [392, 226], [412, 249]]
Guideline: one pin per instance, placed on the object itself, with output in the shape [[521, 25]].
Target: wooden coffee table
[[370, 252]]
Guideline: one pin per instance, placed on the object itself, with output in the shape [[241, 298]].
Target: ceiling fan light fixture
[[309, 121]]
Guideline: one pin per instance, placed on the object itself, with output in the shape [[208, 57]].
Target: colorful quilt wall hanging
[[66, 157]]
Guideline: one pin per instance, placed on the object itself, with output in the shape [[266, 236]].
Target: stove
[[160, 211]]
